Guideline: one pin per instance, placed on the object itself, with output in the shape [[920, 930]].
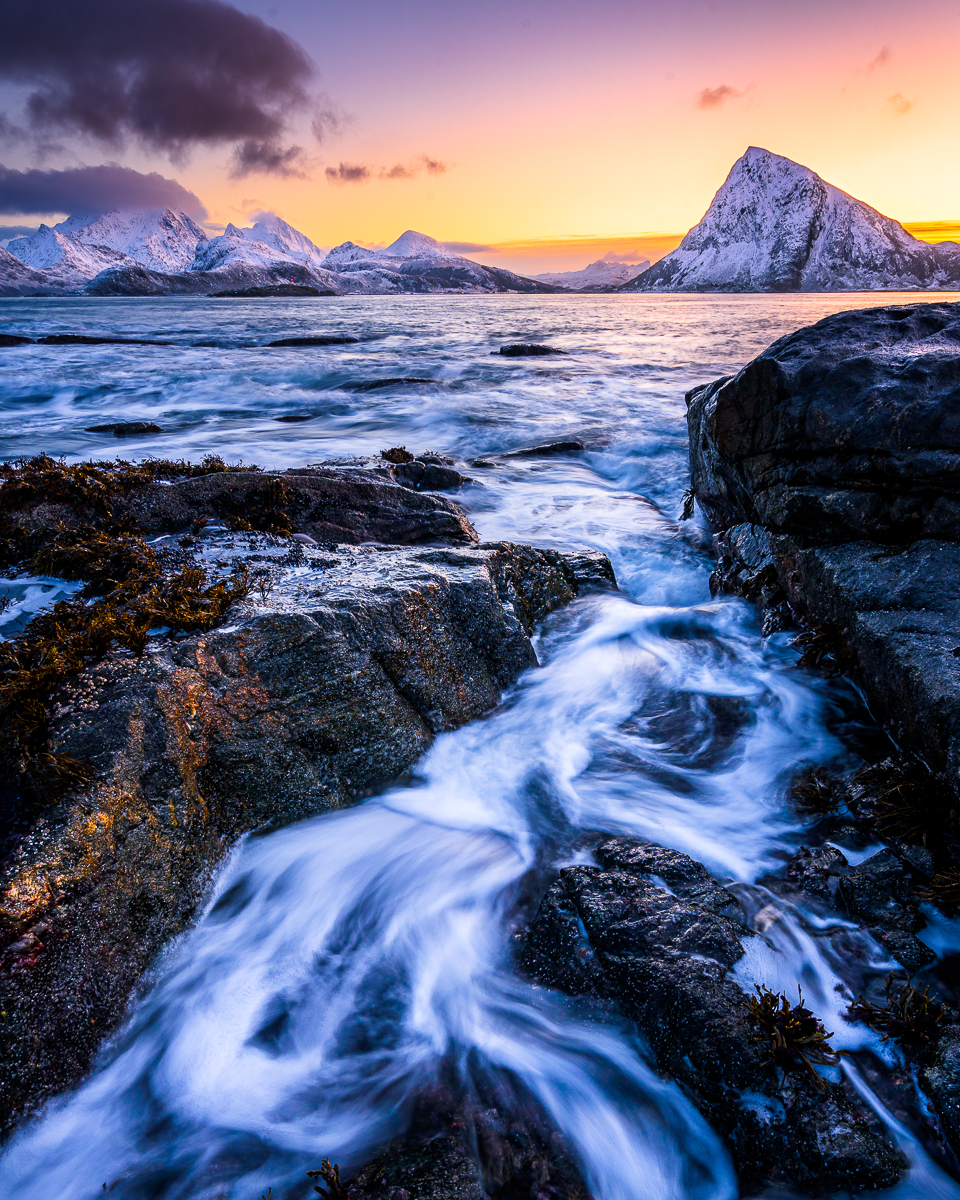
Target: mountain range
[[776, 226], [162, 251]]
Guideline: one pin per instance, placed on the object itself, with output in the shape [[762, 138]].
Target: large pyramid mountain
[[776, 226]]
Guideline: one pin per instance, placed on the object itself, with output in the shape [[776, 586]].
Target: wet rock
[[652, 931], [880, 893], [320, 339], [941, 1081], [327, 504], [812, 871], [292, 418], [428, 475], [331, 679], [82, 339], [544, 451], [122, 429], [276, 289], [12, 339], [369, 385], [526, 349], [831, 466]]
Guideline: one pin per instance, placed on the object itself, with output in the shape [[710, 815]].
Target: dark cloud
[[92, 189], [270, 158], [714, 97], [11, 231], [166, 73], [469, 248], [433, 166], [348, 173]]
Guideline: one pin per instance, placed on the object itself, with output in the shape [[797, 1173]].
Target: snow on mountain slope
[[243, 261], [776, 226], [159, 238], [272, 231], [417, 245], [66, 261], [418, 263], [17, 279], [599, 274]]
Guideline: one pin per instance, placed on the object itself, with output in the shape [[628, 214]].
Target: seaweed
[[397, 454], [335, 1189], [944, 891], [260, 509], [911, 1017], [795, 1039], [904, 800], [817, 791], [825, 648]]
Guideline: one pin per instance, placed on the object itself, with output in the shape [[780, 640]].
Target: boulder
[[650, 930]]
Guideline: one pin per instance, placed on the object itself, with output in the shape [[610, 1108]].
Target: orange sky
[[565, 127]]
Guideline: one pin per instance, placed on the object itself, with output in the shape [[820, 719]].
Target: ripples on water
[[350, 962]]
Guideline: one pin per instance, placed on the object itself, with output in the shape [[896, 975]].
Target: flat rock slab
[[332, 681]]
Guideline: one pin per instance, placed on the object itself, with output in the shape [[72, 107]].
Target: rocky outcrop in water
[[649, 929], [259, 665], [830, 466]]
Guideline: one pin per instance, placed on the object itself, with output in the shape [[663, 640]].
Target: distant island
[[774, 226]]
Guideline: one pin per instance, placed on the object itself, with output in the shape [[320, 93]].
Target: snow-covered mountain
[[272, 231], [161, 239], [776, 226], [65, 261], [596, 276], [161, 250], [418, 263], [17, 279]]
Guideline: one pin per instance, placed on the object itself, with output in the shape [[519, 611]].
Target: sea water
[[347, 964]]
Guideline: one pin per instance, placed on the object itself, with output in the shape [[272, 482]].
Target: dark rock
[[663, 956], [428, 476], [293, 417], [810, 871], [880, 893], [320, 339], [125, 428], [12, 339], [276, 289], [429, 1167], [544, 451], [82, 339], [327, 504], [847, 429], [941, 1082], [370, 385], [332, 682], [526, 349]]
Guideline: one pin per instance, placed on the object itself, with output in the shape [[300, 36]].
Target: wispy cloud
[[714, 97], [899, 105], [881, 60], [348, 173], [360, 173]]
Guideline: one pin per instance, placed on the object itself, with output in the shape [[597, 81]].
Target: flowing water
[[349, 963]]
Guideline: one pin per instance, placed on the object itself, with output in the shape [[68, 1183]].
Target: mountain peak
[[776, 226], [416, 245]]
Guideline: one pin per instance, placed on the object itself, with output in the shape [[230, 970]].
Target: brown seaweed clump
[[127, 595], [911, 1017], [335, 1189], [795, 1039]]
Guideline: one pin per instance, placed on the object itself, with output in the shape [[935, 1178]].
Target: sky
[[536, 134]]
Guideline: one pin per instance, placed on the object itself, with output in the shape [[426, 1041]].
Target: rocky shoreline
[[829, 467], [273, 646]]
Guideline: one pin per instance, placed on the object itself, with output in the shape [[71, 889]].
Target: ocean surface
[[381, 934]]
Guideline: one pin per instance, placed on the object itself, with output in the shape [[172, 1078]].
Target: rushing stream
[[349, 963]]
